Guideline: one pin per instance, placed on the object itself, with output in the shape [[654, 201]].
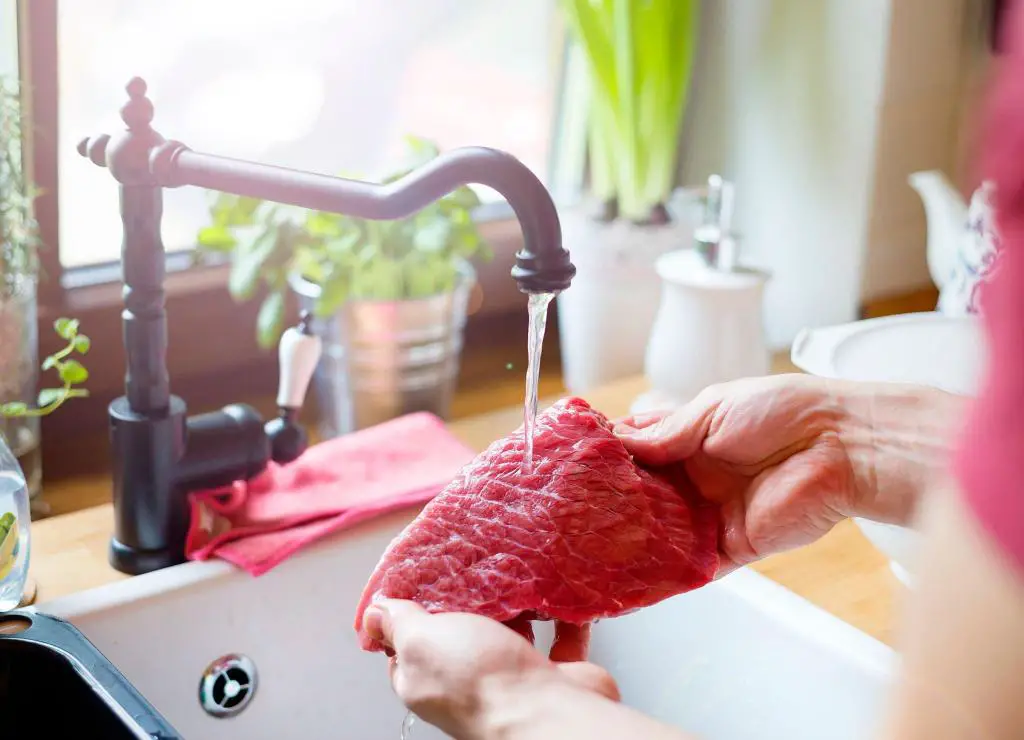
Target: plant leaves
[[66, 328], [82, 343], [323, 224], [229, 210], [248, 262], [270, 319], [432, 236], [50, 395], [73, 372], [14, 408], [216, 238], [347, 257], [332, 295]]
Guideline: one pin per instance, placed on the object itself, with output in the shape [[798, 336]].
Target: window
[[323, 85]]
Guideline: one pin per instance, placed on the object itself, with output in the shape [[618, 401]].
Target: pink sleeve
[[990, 460]]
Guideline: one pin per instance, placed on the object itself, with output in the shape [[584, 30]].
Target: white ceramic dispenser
[[710, 324]]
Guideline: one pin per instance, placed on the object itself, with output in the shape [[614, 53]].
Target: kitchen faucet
[[160, 453]]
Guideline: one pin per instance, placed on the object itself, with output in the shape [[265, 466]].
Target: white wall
[[818, 111], [920, 127]]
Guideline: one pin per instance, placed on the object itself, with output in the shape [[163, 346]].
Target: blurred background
[[817, 111]]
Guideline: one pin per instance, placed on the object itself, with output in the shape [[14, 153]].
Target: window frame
[[197, 293]]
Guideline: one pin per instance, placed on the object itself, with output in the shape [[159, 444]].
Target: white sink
[[740, 659]]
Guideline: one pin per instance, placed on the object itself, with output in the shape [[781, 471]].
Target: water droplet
[[508, 366]]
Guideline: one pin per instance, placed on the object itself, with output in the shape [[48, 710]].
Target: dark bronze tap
[[160, 453]]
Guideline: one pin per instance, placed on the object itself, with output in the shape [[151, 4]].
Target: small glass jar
[[14, 529]]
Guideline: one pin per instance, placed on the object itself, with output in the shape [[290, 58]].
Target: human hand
[[460, 672], [789, 456]]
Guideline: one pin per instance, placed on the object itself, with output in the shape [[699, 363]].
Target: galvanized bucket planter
[[383, 359], [19, 376]]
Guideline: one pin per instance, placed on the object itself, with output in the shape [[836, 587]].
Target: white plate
[[946, 352]]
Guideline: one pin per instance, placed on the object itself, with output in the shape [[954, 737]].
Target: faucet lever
[[298, 354]]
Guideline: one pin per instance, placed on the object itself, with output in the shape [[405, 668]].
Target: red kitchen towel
[[256, 524]]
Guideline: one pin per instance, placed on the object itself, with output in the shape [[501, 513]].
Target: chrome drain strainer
[[227, 686]]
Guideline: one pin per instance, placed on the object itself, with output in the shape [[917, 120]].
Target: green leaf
[[82, 343], [270, 319], [216, 238], [321, 224], [464, 197], [73, 372], [342, 250], [231, 210], [248, 262], [50, 395], [433, 236], [332, 295], [14, 408], [50, 362], [66, 328]]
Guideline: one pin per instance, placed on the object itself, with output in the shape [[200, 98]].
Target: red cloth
[[990, 458], [257, 524]]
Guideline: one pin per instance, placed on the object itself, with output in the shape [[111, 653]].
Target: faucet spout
[[542, 265]]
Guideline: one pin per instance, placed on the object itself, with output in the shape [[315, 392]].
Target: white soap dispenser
[[709, 327]]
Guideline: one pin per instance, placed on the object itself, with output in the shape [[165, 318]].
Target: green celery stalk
[[639, 56]]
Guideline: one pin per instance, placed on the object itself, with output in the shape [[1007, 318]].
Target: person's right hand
[[789, 456], [463, 672]]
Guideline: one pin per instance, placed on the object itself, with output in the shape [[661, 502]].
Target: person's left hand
[[453, 669]]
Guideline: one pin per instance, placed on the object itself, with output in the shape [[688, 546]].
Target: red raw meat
[[588, 534]]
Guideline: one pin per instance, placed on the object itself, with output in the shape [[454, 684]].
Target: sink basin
[[223, 655]]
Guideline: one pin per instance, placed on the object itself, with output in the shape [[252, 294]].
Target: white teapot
[[963, 244]]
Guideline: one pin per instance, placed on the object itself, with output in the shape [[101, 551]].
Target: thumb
[[388, 620], [672, 437]]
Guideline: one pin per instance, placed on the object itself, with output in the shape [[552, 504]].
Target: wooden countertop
[[842, 573]]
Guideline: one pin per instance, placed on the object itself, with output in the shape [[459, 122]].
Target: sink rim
[[772, 600]]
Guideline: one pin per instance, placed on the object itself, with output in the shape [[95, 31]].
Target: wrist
[[898, 438], [521, 706]]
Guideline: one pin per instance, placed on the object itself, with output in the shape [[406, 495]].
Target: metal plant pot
[[19, 376], [384, 359]]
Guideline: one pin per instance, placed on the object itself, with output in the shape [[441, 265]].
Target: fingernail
[[373, 623], [624, 430]]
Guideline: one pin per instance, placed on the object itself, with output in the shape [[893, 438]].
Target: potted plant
[[17, 508], [388, 298], [638, 56], [19, 240]]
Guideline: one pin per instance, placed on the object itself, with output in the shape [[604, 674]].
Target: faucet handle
[[298, 354]]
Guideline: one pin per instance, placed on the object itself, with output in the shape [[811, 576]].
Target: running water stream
[[538, 317], [407, 724]]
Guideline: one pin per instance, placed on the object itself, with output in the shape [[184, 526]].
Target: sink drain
[[227, 685]]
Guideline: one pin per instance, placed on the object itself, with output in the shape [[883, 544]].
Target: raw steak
[[588, 534]]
